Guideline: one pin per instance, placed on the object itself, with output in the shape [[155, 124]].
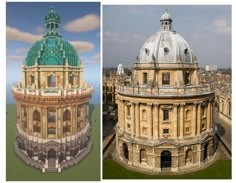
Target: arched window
[[51, 118], [51, 81], [66, 115], [36, 115], [222, 106], [166, 50], [229, 108], [188, 115], [143, 156], [144, 114], [186, 51]]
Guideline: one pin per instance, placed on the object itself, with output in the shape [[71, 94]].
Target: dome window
[[166, 50], [147, 51], [186, 51]]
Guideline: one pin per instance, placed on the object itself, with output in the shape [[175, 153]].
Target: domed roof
[[52, 49], [120, 66], [166, 16], [166, 46]]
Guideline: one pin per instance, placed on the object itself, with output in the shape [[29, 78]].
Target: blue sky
[[80, 24], [207, 29]]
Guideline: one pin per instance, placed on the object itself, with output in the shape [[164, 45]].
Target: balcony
[[53, 91], [163, 90]]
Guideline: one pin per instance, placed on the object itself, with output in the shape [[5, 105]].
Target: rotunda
[[164, 114], [53, 128]]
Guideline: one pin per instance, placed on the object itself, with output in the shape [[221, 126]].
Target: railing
[[53, 91], [164, 90]]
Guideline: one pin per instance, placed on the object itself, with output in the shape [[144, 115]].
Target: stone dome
[[52, 49], [120, 66], [166, 16], [166, 46]]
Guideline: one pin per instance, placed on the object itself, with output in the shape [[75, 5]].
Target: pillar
[[122, 115], [155, 121], [59, 122], [199, 119], [208, 115], [194, 119], [175, 121], [150, 119], [137, 121], [133, 119], [44, 122], [181, 121]]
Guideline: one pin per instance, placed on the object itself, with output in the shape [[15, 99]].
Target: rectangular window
[[128, 111], [186, 78], [203, 126], [144, 78], [166, 131], [128, 126], [165, 114], [32, 80], [187, 129], [166, 78], [51, 117], [51, 81]]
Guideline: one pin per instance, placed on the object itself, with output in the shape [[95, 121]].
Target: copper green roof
[[52, 49]]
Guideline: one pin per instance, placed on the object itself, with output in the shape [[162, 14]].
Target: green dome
[[52, 49]]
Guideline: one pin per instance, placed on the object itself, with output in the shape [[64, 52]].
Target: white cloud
[[18, 35], [86, 23], [123, 37], [82, 46], [221, 26], [92, 60], [18, 58], [22, 50], [39, 30]]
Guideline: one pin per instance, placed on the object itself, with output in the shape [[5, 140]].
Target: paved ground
[[224, 130]]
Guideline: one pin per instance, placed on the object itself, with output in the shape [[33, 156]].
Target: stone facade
[[164, 114], [53, 128]]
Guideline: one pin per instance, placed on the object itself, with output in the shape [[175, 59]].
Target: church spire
[[166, 21], [52, 23]]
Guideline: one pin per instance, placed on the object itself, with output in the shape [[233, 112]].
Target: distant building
[[120, 69], [211, 68]]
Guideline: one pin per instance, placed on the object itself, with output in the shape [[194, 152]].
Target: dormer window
[[166, 50], [186, 51]]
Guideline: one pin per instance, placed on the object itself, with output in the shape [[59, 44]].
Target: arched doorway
[[165, 160], [125, 151], [51, 154], [205, 153]]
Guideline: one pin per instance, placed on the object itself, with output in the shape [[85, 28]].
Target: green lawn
[[87, 169], [219, 170]]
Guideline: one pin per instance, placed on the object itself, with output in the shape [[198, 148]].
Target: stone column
[[155, 121], [211, 107], [208, 115], [133, 119], [137, 122], [59, 119], [175, 130], [122, 115], [44, 122], [194, 119], [199, 119], [150, 119], [181, 121]]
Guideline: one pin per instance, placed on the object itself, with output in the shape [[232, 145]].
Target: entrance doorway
[[166, 160], [51, 154], [125, 151], [205, 153]]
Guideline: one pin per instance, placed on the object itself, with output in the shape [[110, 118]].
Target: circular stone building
[[53, 128], [164, 114]]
